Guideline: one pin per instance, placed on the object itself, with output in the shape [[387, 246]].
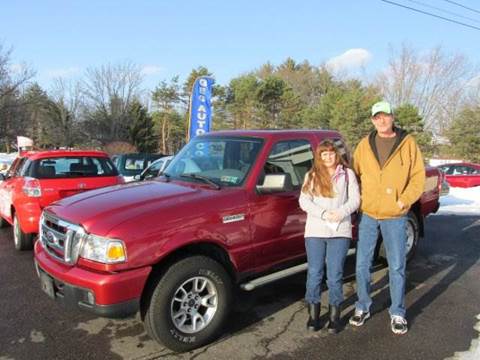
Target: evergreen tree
[[172, 128], [408, 118], [269, 94], [40, 124], [464, 134], [242, 102], [142, 133], [168, 101], [346, 108]]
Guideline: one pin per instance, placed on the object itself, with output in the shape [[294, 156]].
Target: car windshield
[[223, 160]]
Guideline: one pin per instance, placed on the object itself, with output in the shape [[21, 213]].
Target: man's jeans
[[394, 238], [332, 251]]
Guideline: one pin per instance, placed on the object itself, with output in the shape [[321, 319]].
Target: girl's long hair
[[319, 181]]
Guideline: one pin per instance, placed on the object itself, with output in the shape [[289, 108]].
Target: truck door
[[278, 223]]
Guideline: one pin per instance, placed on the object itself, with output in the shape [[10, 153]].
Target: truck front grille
[[61, 239]]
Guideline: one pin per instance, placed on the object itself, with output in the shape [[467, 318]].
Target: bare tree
[[65, 109], [433, 82], [12, 77], [12, 80], [107, 93], [472, 89]]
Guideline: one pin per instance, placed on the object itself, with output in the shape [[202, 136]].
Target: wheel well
[[210, 250]]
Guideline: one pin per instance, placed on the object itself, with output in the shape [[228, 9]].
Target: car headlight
[[103, 250]]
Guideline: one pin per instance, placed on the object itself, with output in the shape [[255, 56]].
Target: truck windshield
[[224, 160]]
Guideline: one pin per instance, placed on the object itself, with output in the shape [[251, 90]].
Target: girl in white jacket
[[329, 196]]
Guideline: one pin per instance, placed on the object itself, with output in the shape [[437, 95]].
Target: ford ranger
[[224, 213]]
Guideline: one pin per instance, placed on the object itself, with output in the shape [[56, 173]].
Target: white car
[[155, 168]]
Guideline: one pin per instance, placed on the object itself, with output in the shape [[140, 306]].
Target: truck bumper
[[109, 295]]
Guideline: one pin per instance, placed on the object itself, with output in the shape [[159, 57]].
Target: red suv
[[37, 179]]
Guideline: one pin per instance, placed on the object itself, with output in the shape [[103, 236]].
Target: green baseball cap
[[381, 106]]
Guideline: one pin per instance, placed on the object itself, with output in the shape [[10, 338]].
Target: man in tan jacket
[[390, 167]]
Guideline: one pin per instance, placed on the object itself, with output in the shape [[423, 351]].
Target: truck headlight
[[102, 249]]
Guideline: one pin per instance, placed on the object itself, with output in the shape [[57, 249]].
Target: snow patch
[[474, 352], [461, 201]]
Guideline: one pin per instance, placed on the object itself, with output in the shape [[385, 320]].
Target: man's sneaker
[[358, 319], [399, 325]]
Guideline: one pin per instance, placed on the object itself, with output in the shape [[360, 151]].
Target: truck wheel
[[22, 241], [413, 234], [189, 304]]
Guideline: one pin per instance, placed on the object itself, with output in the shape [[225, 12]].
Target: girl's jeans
[[332, 252]]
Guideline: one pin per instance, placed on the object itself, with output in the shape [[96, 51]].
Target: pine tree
[[464, 134], [409, 119], [142, 129]]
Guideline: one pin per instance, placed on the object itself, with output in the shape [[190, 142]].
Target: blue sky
[[168, 38]]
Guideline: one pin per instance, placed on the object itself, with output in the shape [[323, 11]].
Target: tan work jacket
[[401, 178]]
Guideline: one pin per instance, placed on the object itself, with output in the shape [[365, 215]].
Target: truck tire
[[22, 240], [413, 234], [189, 304]]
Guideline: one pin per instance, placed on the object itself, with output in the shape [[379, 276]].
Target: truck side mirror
[[275, 183]]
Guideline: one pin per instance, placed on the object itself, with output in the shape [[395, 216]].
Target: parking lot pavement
[[442, 298]]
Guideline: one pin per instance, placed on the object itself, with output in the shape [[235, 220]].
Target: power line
[[443, 10], [463, 6], [430, 14]]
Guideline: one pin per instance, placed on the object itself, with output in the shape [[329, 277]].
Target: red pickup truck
[[224, 213], [37, 179]]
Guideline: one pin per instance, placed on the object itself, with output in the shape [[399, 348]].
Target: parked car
[[37, 179], [462, 174], [155, 168], [225, 213], [129, 165]]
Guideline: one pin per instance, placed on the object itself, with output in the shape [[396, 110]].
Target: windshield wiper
[[203, 178]]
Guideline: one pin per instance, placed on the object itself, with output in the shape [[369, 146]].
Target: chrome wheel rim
[[194, 304], [410, 237], [16, 232]]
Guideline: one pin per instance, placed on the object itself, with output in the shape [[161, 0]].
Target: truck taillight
[[32, 187]]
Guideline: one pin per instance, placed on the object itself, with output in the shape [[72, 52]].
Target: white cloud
[[62, 72], [353, 58], [152, 69]]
